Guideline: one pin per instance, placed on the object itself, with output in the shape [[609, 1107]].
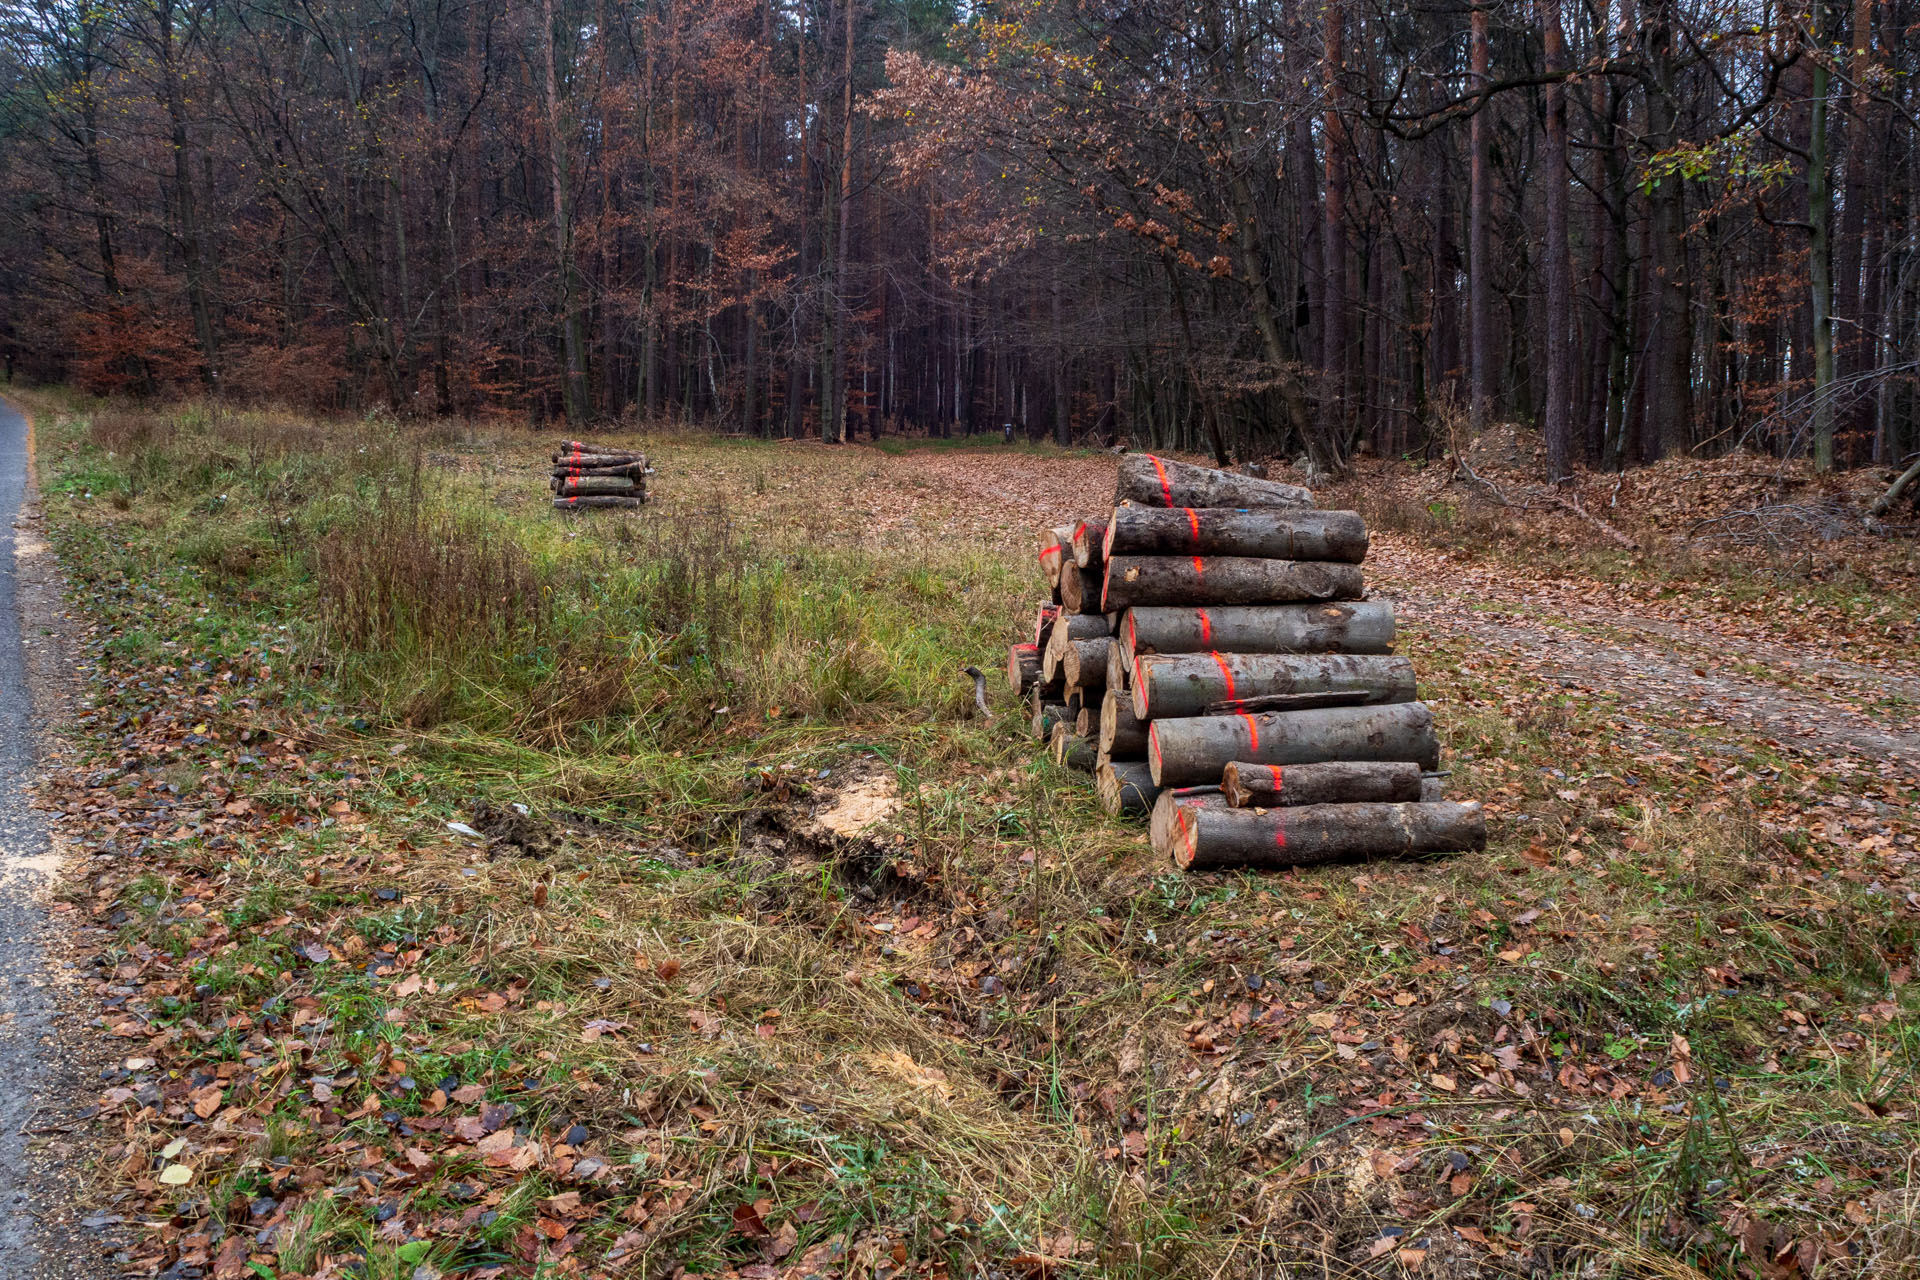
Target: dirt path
[[1679, 675], [43, 1141]]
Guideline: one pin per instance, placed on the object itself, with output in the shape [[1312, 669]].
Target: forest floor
[[751, 954]]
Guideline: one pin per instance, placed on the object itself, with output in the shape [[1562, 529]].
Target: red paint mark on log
[[1206, 628], [1253, 729], [1226, 673], [1165, 486]]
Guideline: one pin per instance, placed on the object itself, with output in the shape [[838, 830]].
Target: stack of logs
[[1210, 656], [595, 475]]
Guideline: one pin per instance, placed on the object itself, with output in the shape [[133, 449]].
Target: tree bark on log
[[1068, 628], [632, 470], [597, 457], [1123, 736], [1053, 552], [1023, 668], [1358, 626], [1072, 750], [1085, 663], [1133, 581], [1043, 624], [1125, 786], [1191, 751], [1201, 838], [1089, 537], [1118, 677], [1273, 786], [595, 486], [1162, 482], [1167, 686], [567, 504], [1271, 533]]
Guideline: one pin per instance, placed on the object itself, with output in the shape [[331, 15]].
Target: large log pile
[[594, 475], [1208, 653]]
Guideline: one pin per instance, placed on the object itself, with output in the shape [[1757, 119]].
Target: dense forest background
[[1642, 226]]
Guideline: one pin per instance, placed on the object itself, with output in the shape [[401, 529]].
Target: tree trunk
[[1206, 837], [1274, 533], [1272, 786], [1167, 686], [1559, 299], [1362, 626], [1162, 482], [1479, 229], [574, 392], [1190, 751], [1174, 580], [1820, 246]]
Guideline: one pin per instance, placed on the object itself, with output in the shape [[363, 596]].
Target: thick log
[[617, 459], [632, 470], [1168, 804], [1068, 628], [1162, 482], [1167, 686], [1123, 736], [1274, 786], [1089, 536], [1043, 623], [1271, 533], [1070, 749], [1133, 581], [1053, 552], [1047, 715], [1118, 676], [586, 486], [1124, 786], [1085, 662], [1352, 626], [1195, 750], [568, 504], [1201, 838], [1023, 668]]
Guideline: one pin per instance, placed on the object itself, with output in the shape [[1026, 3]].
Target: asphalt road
[[26, 867]]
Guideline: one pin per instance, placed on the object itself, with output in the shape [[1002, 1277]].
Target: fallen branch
[[1884, 503]]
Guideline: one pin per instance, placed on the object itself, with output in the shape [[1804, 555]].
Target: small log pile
[[595, 475], [1208, 653]]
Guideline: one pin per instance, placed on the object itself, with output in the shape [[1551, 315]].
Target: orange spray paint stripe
[[1165, 487], [1206, 628], [1193, 522], [1279, 835], [1252, 728], [1274, 769], [1226, 673]]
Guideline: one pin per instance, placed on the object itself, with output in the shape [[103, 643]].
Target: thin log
[[1085, 664], [1072, 750], [591, 485], [632, 470], [1133, 581], [1274, 786], [1080, 588], [1884, 503], [1272, 533], [1123, 735], [1053, 552], [1023, 668], [1043, 624], [1118, 674], [1168, 804], [1162, 482], [1356, 626], [1170, 685], [1195, 750], [1045, 717], [1077, 626], [568, 504], [1125, 786], [1203, 838], [1089, 536]]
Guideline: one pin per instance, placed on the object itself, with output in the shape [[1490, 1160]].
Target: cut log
[[1167, 686], [1089, 536], [1085, 662], [1201, 838], [1066, 630], [595, 461], [1023, 668], [1195, 750], [1071, 697], [568, 504], [1168, 804], [1045, 717], [1356, 626], [1053, 552], [1125, 786], [1162, 482], [1079, 589], [1272, 533], [1123, 736], [586, 486], [1118, 676], [1072, 750], [1274, 786], [1133, 581], [633, 472], [1043, 624]]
